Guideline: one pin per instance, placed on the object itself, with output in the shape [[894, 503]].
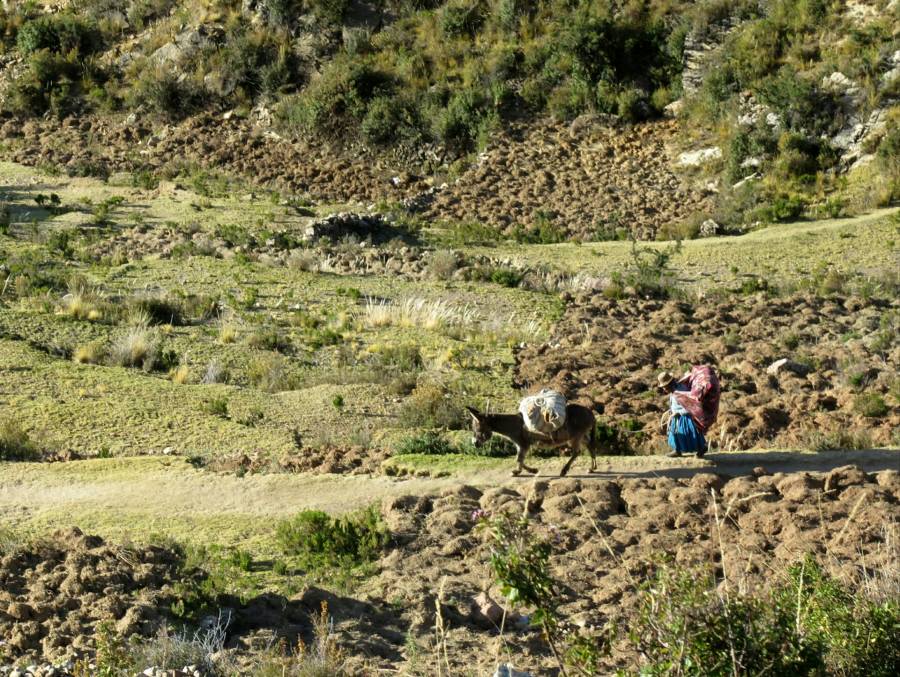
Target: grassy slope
[[784, 252]]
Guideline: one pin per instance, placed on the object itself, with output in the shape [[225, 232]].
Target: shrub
[[270, 373], [319, 539], [161, 309], [835, 440], [799, 104], [15, 444], [443, 264], [337, 99], [649, 272], [431, 406], [60, 33], [430, 443], [506, 277], [462, 17], [614, 440], [466, 120], [170, 650], [162, 92], [808, 624], [269, 339], [398, 357], [388, 119], [48, 84], [217, 406], [543, 231], [495, 447], [870, 405]]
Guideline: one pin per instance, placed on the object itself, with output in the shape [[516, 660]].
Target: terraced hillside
[[257, 258]]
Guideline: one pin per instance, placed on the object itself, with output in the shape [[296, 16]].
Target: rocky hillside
[[463, 108]]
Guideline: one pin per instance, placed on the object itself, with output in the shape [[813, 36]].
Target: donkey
[[579, 425]]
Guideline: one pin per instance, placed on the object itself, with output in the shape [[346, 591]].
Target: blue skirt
[[684, 435]]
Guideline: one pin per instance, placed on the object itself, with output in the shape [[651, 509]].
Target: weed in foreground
[[322, 657], [520, 561], [807, 624]]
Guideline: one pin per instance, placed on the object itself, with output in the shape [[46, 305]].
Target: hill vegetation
[[796, 94]]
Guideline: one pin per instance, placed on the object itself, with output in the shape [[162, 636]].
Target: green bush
[[543, 231], [506, 277], [431, 405], [15, 444], [462, 17], [870, 405], [388, 119], [59, 33], [164, 94], [319, 539], [49, 84], [799, 104], [466, 120], [809, 624], [430, 443], [337, 99], [495, 447]]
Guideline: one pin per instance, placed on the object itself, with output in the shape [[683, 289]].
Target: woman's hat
[[664, 379]]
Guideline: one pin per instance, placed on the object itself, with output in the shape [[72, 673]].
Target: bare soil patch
[[841, 350], [608, 535], [596, 177], [580, 178]]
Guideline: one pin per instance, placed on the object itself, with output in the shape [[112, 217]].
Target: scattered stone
[[709, 228], [507, 670], [695, 158], [786, 364]]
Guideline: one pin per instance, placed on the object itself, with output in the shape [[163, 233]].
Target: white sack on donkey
[[545, 412]]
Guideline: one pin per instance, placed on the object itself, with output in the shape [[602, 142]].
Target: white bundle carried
[[545, 412]]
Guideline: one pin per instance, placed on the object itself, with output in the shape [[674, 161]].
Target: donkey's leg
[[522, 449], [576, 449], [520, 459], [593, 459]]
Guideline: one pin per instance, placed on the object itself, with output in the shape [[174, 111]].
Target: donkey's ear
[[475, 413]]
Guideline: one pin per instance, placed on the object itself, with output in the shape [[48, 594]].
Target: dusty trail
[[136, 496]]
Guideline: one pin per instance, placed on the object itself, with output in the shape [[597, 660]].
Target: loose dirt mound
[[237, 147], [609, 535], [841, 353], [317, 461], [55, 592], [601, 178], [596, 176]]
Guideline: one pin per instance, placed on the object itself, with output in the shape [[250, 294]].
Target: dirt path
[[135, 497]]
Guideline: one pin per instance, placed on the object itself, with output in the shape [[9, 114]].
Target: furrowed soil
[[839, 351], [318, 359], [607, 534]]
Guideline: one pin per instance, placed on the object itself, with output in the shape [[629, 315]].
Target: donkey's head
[[481, 430]]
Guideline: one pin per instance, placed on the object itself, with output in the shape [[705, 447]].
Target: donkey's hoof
[[533, 471], [516, 472]]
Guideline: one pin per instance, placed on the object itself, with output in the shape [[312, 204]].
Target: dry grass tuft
[[89, 353], [180, 374], [418, 312], [137, 348], [228, 333]]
